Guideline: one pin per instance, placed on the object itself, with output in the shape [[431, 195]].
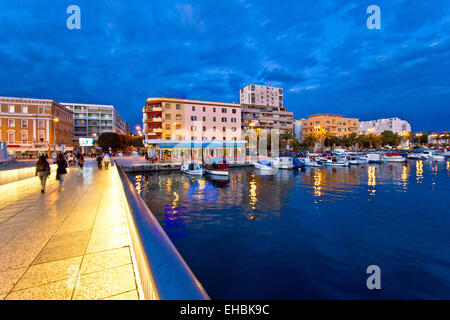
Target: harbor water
[[310, 234]]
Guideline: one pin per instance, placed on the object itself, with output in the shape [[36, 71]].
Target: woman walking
[[61, 171], [42, 171], [106, 161]]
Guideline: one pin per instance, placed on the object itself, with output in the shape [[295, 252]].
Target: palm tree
[[286, 136], [310, 140], [352, 139], [323, 134]]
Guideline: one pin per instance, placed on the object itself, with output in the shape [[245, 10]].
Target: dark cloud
[[320, 51]]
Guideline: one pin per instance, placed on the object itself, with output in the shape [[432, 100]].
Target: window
[[40, 110], [193, 108], [204, 109], [167, 127], [234, 111], [193, 118], [11, 137], [214, 119], [178, 126], [233, 119], [24, 109], [204, 128], [214, 129], [24, 123], [214, 109], [11, 109], [224, 129], [11, 123], [193, 128], [168, 117], [178, 117], [178, 107], [224, 119], [224, 110], [41, 136], [233, 129], [204, 118], [24, 137]]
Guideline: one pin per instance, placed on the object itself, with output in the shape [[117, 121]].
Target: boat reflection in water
[[310, 234]]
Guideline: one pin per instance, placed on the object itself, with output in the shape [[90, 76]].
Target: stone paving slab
[[64, 245]]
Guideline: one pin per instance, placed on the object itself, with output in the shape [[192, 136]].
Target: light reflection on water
[[311, 233]]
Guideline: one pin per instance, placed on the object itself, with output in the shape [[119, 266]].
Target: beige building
[[336, 125], [34, 126], [266, 117], [262, 95]]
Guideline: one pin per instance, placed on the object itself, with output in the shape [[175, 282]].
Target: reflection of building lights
[[372, 180], [253, 198], [317, 183], [448, 165], [405, 175], [419, 171]]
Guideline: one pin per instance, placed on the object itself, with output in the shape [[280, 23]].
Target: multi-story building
[[298, 123], [91, 120], [35, 126], [182, 119], [336, 125], [262, 95], [266, 117], [395, 125]]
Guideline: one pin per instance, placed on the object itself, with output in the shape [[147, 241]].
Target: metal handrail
[[170, 276]]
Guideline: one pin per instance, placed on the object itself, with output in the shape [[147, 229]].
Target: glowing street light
[[55, 120]]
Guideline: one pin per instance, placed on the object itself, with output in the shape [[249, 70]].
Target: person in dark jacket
[[61, 171], [99, 162], [81, 161], [42, 171]]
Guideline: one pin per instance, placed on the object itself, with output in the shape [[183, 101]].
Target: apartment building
[[395, 125], [183, 119], [255, 94], [336, 125], [91, 120], [266, 117], [35, 126]]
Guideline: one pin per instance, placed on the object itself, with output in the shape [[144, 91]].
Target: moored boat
[[265, 166], [374, 157], [283, 162], [335, 161], [192, 169], [218, 167], [393, 157]]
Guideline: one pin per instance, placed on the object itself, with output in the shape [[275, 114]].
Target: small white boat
[[283, 162], [438, 156], [374, 157], [265, 166], [312, 162], [416, 156], [357, 160], [194, 169], [335, 161], [393, 157]]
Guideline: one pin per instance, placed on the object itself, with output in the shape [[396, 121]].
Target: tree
[[310, 140], [295, 144], [137, 142], [322, 133], [285, 137], [390, 138], [110, 139]]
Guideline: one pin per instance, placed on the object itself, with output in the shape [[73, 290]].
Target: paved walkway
[[68, 245]]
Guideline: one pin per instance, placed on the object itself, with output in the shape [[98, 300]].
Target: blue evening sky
[[320, 52]]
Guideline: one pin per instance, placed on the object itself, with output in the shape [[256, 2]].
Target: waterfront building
[[266, 117], [298, 124], [439, 138], [35, 126], [171, 124], [396, 125], [336, 125], [91, 120], [255, 94]]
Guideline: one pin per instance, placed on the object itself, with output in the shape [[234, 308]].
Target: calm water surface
[[311, 234]]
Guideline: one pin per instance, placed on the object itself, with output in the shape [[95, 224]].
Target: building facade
[[91, 120], [336, 125], [396, 125], [35, 126], [255, 94], [182, 119], [266, 117]]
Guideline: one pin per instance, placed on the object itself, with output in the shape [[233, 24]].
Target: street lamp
[[55, 120]]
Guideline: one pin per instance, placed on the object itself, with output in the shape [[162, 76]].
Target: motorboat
[[335, 161], [312, 161], [416, 156], [357, 160], [192, 169], [218, 167], [374, 157], [283, 162], [393, 157], [265, 166], [436, 155]]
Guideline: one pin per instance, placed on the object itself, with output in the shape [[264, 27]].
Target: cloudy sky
[[321, 52]]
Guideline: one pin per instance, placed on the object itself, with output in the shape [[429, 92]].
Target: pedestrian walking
[[42, 171], [99, 162], [81, 161], [106, 160], [61, 171]]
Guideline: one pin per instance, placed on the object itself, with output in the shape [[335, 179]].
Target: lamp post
[[55, 120]]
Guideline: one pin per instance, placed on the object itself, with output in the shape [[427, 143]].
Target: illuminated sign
[[86, 142]]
